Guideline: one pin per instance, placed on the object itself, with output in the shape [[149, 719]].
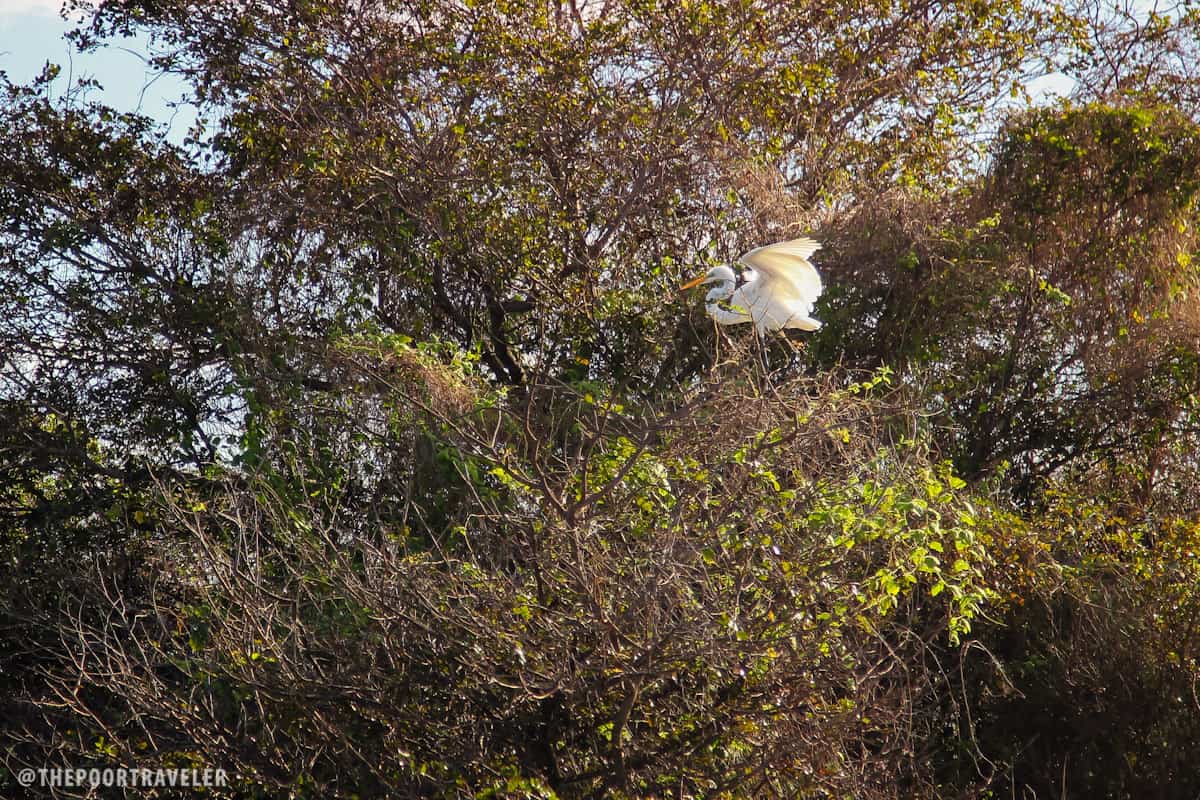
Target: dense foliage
[[359, 444]]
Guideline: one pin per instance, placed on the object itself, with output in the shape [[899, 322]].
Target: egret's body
[[778, 291]]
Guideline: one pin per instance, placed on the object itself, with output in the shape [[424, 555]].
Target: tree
[[1049, 309], [351, 445]]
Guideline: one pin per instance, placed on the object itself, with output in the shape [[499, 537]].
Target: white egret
[[778, 291]]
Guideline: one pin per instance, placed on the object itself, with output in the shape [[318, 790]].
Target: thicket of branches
[[360, 445]]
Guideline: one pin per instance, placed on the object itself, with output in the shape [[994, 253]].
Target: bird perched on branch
[[777, 292]]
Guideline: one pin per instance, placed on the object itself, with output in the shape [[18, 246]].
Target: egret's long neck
[[722, 291], [721, 315]]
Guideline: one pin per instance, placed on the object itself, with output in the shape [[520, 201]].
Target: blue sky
[[31, 33]]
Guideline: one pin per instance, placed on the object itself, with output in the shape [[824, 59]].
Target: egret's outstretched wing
[[784, 271]]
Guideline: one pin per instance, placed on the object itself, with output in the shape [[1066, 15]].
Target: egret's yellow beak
[[690, 284]]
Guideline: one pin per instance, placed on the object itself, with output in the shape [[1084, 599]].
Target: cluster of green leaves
[[640, 608]]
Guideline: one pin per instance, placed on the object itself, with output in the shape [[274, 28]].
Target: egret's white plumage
[[779, 291]]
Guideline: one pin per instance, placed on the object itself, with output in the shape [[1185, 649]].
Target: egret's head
[[721, 274]]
